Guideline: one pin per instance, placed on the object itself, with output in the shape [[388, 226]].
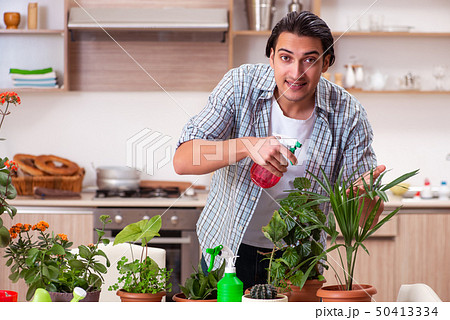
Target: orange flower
[[10, 97], [18, 228], [42, 226], [26, 227], [11, 165], [62, 236]]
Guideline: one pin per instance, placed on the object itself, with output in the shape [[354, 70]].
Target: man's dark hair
[[306, 24]]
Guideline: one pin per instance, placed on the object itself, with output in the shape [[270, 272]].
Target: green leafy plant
[[141, 275], [356, 221], [48, 262], [292, 234], [200, 286], [7, 190]]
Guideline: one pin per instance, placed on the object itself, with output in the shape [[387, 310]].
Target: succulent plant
[[263, 291]]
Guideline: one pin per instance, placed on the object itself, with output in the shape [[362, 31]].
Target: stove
[[147, 192]]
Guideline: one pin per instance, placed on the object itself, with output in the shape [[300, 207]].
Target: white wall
[[92, 128], [411, 131]]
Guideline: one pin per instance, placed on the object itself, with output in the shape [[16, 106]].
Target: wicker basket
[[25, 185]]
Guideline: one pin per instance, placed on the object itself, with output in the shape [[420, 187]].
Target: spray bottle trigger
[[213, 252]]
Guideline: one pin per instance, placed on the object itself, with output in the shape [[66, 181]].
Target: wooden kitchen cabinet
[[41, 48], [411, 248], [423, 250], [378, 268], [76, 223]]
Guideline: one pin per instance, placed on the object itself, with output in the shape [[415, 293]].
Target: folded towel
[[35, 80], [33, 76], [35, 85], [37, 71], [40, 83]]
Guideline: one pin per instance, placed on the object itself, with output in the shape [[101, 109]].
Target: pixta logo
[[148, 151]]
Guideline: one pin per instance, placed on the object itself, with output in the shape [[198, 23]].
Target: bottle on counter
[[426, 190], [444, 191], [229, 288]]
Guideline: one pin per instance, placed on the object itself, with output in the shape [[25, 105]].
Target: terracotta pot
[[307, 293], [12, 19], [180, 297], [140, 297], [93, 296], [279, 298], [336, 293]]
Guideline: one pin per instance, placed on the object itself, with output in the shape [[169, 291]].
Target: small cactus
[[263, 291]]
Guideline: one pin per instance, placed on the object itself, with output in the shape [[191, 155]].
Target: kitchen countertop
[[88, 200], [199, 200]]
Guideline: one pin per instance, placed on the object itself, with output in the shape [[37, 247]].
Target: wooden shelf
[[26, 31], [251, 33], [18, 89], [391, 34]]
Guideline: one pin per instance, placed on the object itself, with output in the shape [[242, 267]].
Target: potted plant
[[264, 293], [200, 287], [299, 242], [141, 279], [7, 167], [356, 223], [48, 262]]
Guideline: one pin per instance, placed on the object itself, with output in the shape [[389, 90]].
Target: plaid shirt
[[240, 106]]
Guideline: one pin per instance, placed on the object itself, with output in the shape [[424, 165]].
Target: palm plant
[[347, 199]]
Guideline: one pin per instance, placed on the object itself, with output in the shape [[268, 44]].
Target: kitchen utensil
[[32, 15], [295, 6], [378, 81], [409, 82], [439, 74], [12, 19], [117, 172], [118, 184], [350, 80], [259, 14], [117, 178]]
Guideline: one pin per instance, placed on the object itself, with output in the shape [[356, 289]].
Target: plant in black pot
[[354, 221], [298, 240]]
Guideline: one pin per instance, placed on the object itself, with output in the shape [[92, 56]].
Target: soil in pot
[[140, 297], [180, 297], [336, 293], [93, 296]]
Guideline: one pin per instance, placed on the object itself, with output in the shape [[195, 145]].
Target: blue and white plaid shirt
[[240, 106]]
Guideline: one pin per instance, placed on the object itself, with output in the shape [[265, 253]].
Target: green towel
[[39, 71]]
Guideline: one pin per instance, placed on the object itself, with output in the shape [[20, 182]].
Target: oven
[[177, 235]]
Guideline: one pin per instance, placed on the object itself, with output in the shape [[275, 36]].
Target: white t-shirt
[[293, 128]]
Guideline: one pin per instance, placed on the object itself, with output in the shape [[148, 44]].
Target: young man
[[251, 105]]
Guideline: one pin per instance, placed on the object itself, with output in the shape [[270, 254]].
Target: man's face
[[297, 68]]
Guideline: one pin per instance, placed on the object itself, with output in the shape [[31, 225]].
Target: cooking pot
[[117, 178]]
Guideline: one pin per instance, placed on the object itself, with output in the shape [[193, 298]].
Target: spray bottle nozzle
[[225, 253], [213, 252]]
